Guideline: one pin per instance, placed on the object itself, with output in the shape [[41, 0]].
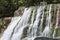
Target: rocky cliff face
[[19, 12], [4, 23]]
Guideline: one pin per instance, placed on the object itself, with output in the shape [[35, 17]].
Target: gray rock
[[44, 38]]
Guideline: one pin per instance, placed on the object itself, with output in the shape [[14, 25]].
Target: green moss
[[25, 32], [30, 19], [58, 32], [52, 12]]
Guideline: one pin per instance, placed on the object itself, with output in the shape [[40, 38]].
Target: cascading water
[[47, 29], [7, 34], [36, 22], [30, 24], [55, 30]]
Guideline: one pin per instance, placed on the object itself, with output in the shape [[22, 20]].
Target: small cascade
[[30, 24], [7, 34], [55, 30], [19, 34], [47, 29], [33, 29], [24, 21]]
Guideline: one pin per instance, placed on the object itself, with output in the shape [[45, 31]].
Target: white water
[[34, 27], [8, 32], [47, 29], [33, 19], [19, 34]]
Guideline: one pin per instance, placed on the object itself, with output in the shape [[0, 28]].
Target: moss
[[58, 32], [25, 32], [30, 18]]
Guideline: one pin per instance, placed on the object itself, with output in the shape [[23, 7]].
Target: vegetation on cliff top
[[7, 7]]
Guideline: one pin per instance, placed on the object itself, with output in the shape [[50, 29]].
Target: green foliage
[[9, 6]]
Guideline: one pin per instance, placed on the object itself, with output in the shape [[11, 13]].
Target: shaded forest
[[7, 7]]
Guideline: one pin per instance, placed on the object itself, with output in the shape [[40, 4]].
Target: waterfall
[[30, 24]]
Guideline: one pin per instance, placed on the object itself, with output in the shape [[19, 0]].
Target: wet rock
[[7, 20], [45, 38], [19, 12], [3, 24]]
